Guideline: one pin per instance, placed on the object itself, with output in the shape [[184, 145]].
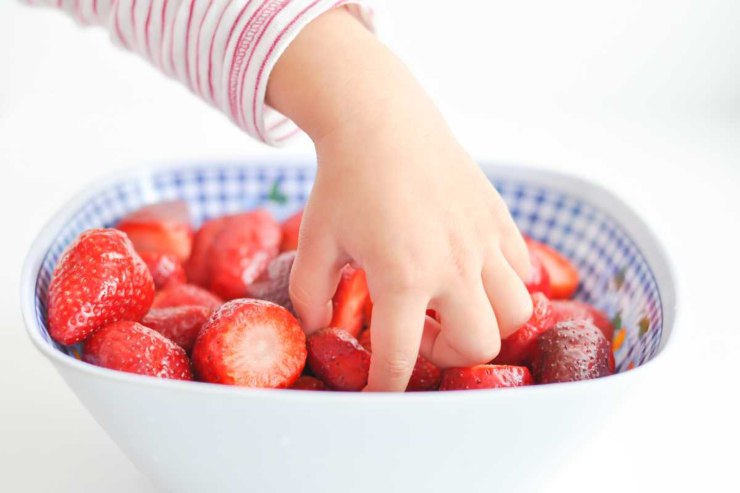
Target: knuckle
[[396, 366]]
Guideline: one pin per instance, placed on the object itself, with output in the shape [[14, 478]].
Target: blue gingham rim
[[615, 276]]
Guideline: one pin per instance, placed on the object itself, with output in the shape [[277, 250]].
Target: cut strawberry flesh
[[164, 228], [349, 301], [564, 278]]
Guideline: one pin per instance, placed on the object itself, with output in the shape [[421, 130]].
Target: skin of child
[[398, 196]]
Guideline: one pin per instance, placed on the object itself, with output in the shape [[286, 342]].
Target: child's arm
[[395, 193]]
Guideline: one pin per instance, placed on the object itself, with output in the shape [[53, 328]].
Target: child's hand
[[396, 195]]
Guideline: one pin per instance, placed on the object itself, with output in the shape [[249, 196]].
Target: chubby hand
[[396, 195]]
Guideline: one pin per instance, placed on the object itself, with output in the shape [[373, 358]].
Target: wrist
[[336, 77]]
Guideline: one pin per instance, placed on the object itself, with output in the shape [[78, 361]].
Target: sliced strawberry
[[517, 349], [272, 285], [539, 279], [364, 339], [338, 360], [250, 343], [186, 294], [572, 310], [367, 311], [485, 377], [241, 251], [306, 382], [426, 375], [564, 278], [198, 266], [166, 269], [290, 228], [99, 279], [180, 324], [572, 351], [349, 301], [163, 227], [133, 348]]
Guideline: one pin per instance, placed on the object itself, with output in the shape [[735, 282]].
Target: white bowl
[[190, 436]]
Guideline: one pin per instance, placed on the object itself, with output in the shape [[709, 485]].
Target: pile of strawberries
[[157, 298]]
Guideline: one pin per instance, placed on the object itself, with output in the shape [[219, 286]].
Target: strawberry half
[[426, 375], [272, 285], [198, 266], [306, 382], [166, 269], [290, 228], [349, 301], [539, 279], [180, 324], [518, 348], [99, 280], [572, 310], [338, 360], [572, 351], [564, 278], [250, 343], [241, 251], [163, 227], [485, 377], [184, 295], [133, 348]]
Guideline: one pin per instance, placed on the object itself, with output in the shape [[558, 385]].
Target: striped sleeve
[[223, 50]]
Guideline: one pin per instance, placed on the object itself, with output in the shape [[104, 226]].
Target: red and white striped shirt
[[223, 50]]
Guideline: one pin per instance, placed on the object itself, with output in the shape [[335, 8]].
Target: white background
[[642, 96]]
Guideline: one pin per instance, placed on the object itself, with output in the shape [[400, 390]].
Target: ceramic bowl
[[189, 436]]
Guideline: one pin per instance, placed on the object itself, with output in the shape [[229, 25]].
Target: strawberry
[[133, 348], [250, 343], [517, 349], [241, 251], [163, 227], [485, 377], [290, 228], [272, 285], [539, 279], [349, 301], [338, 360], [198, 267], [367, 311], [572, 310], [186, 294], [571, 351], [306, 382], [165, 268], [426, 375], [563, 275], [99, 280], [180, 324]]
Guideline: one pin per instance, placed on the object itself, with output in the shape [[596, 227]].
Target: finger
[[516, 253], [313, 281], [397, 325], [507, 294], [469, 332]]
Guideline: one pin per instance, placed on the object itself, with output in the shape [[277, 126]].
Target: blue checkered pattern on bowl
[[615, 276]]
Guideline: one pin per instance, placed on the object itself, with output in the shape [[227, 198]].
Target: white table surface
[[643, 97]]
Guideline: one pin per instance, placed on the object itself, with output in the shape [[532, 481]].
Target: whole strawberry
[[180, 324], [99, 280], [485, 377], [338, 360], [272, 285], [166, 269], [133, 348], [572, 351]]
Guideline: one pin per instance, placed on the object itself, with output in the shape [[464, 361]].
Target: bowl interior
[[616, 276]]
